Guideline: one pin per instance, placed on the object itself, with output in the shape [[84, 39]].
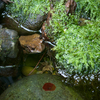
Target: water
[[88, 86]]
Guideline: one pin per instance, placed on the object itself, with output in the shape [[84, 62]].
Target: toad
[[32, 43]]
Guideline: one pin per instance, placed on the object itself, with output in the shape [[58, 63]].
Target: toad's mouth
[[30, 50]]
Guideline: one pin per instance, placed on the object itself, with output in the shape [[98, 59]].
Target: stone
[[2, 5], [29, 27], [40, 87], [11, 70], [25, 17], [8, 43]]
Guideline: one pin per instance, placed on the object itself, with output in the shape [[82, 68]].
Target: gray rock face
[[0, 26], [27, 27], [35, 24], [22, 18], [10, 70], [40, 87], [8, 43], [1, 5], [27, 15]]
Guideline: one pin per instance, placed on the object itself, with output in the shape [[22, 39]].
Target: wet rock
[[35, 24], [10, 70], [7, 73], [25, 16], [40, 87], [2, 5], [32, 43], [23, 28], [0, 26], [8, 43], [5, 82], [11, 23]]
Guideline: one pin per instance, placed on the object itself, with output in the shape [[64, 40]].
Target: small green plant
[[77, 47], [88, 8], [28, 8]]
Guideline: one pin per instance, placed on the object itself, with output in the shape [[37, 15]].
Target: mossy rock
[[32, 88], [31, 14]]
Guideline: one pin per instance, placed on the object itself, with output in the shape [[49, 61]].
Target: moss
[[77, 47], [31, 88], [25, 8], [88, 8]]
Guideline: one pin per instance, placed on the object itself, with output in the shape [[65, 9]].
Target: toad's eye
[[32, 48]]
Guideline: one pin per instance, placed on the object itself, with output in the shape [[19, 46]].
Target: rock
[[0, 26], [32, 43], [26, 15], [8, 43], [40, 87], [11, 23], [35, 24], [5, 82], [10, 70], [2, 5]]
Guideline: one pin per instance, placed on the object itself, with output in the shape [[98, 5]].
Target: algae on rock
[[31, 88], [28, 13], [25, 8]]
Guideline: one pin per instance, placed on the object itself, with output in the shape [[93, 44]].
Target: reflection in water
[[87, 85]]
